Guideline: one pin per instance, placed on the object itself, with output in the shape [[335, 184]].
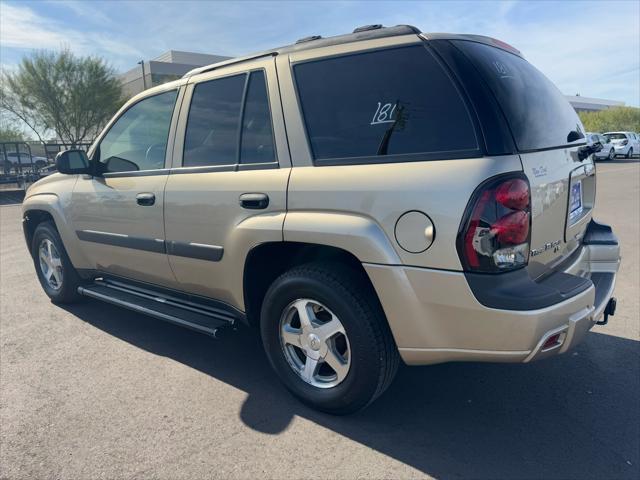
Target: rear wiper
[[384, 143]]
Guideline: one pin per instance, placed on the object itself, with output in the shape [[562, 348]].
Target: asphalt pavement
[[94, 391]]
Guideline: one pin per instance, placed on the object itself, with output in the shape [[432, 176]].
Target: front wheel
[[58, 278], [327, 338], [630, 153], [612, 154]]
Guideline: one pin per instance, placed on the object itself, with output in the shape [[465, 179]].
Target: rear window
[[538, 114], [370, 107], [617, 136]]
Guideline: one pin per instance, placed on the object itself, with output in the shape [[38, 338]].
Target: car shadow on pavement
[[575, 416]]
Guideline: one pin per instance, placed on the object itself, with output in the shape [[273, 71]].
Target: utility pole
[[144, 80]]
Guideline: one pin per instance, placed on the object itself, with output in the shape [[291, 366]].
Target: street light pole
[[144, 80]]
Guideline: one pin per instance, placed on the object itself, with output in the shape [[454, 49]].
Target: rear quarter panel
[[381, 193]]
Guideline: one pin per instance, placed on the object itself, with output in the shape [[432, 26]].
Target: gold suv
[[361, 199]]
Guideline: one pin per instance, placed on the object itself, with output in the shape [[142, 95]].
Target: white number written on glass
[[384, 113]]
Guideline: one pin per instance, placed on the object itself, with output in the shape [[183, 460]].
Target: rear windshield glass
[[616, 136], [538, 114], [377, 104]]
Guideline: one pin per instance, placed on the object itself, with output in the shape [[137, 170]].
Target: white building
[[169, 66], [587, 104]]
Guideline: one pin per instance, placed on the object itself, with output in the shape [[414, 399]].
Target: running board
[[203, 318]]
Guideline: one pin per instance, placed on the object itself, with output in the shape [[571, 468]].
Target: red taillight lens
[[512, 229], [495, 232], [513, 194]]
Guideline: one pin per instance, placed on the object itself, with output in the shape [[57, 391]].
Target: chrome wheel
[[612, 154], [50, 264], [315, 343]]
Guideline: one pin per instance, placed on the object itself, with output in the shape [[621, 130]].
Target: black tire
[[612, 154], [70, 280], [629, 153], [373, 354]]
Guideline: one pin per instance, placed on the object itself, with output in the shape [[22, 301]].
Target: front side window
[[138, 139], [387, 102]]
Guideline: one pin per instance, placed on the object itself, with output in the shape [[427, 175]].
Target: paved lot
[[93, 391]]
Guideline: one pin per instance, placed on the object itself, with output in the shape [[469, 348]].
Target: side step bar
[[203, 318]]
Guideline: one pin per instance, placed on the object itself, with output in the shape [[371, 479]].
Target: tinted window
[[537, 112], [617, 136], [211, 137], [257, 135], [138, 139], [396, 101]]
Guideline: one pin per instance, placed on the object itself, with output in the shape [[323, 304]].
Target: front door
[[227, 190], [118, 213]]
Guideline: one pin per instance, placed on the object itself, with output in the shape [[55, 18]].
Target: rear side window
[[213, 125], [257, 136], [370, 106], [538, 114]]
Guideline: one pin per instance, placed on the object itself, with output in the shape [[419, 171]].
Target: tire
[[58, 277], [612, 154], [629, 153], [329, 292]]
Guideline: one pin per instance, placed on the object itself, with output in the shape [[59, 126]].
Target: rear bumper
[[439, 316]]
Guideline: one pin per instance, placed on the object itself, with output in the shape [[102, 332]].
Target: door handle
[[254, 201], [145, 199]]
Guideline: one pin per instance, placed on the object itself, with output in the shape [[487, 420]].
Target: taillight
[[495, 231]]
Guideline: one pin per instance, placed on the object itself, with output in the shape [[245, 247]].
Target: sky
[[591, 48]]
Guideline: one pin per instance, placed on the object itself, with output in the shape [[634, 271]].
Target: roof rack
[[309, 39], [367, 32], [364, 28]]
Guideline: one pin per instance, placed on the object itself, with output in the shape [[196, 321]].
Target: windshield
[[539, 115], [616, 136]]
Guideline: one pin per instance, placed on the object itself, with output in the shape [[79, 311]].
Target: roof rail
[[364, 28], [309, 38]]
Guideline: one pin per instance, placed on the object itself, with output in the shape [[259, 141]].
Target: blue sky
[[588, 47]]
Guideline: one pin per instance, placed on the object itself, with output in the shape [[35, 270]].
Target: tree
[[9, 132], [613, 119], [60, 92]]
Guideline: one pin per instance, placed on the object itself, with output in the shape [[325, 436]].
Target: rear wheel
[[57, 276], [327, 338], [630, 153]]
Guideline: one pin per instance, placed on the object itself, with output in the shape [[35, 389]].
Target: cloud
[[22, 28], [591, 48]]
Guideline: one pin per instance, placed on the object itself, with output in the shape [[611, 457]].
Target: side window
[[395, 101], [211, 137], [138, 139], [257, 135]]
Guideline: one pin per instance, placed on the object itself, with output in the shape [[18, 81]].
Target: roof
[[369, 32]]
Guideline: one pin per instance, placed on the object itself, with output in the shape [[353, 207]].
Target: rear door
[[227, 189], [548, 135]]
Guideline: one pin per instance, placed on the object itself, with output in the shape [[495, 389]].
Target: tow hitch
[[609, 310]]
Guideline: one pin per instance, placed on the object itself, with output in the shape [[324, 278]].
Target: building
[[169, 66], [587, 104]]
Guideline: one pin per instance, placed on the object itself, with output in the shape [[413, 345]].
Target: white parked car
[[625, 143], [608, 151], [24, 159]]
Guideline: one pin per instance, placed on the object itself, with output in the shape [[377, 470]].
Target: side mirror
[[72, 162]]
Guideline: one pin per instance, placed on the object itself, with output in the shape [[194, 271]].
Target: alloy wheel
[[315, 343], [50, 264]]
